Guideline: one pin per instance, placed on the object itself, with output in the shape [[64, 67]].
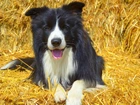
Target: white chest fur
[[59, 69]]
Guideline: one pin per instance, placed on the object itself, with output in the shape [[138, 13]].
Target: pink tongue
[[57, 54]]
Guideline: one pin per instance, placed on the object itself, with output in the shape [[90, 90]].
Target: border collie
[[63, 52]]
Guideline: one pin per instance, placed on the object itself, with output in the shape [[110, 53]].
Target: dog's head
[[56, 29]]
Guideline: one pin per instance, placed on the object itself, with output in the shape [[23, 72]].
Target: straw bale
[[113, 25]]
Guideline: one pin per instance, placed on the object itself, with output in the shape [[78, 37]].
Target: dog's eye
[[46, 27], [67, 27]]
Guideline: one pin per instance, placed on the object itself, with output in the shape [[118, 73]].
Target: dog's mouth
[[57, 54]]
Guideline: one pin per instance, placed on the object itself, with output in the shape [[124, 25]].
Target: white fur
[[76, 93], [10, 64], [60, 94], [60, 68], [56, 33]]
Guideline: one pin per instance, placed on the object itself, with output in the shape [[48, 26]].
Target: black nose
[[56, 42]]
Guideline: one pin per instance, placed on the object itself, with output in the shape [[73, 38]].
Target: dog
[[63, 52]]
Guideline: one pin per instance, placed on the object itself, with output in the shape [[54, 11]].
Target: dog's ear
[[74, 7], [33, 12]]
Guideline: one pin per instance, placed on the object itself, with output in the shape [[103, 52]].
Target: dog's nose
[[56, 42]]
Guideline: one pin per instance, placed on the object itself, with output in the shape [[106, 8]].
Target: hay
[[114, 25]]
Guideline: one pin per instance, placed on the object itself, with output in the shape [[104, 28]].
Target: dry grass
[[114, 25]]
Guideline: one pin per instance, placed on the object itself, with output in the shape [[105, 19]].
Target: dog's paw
[[60, 95], [74, 98]]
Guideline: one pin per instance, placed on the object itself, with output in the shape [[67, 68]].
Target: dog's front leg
[[60, 94], [75, 94]]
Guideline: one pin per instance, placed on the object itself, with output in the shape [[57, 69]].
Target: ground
[[121, 76]]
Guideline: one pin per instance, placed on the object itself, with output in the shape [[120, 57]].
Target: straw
[[114, 27]]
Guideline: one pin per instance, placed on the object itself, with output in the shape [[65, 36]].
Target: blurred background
[[112, 24]]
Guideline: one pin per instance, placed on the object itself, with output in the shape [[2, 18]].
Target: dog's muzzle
[[57, 52]]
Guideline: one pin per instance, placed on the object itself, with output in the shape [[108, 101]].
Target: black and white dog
[[64, 52]]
